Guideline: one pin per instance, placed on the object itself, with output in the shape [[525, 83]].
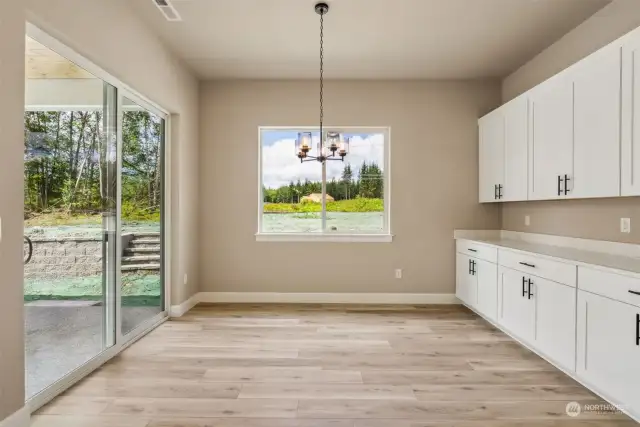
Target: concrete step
[[140, 258], [145, 242], [134, 267], [146, 234], [149, 249]]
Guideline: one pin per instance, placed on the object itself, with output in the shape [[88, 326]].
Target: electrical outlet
[[186, 278], [625, 225], [398, 273], [527, 220]]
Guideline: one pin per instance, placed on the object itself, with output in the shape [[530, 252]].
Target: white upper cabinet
[[516, 128], [551, 136], [491, 153], [503, 153], [596, 147], [630, 185]]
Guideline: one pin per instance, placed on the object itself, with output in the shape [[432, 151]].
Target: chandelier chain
[[321, 72]]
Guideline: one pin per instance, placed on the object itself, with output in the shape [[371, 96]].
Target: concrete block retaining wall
[[65, 257]]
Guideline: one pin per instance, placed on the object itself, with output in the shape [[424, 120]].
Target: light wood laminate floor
[[325, 366]]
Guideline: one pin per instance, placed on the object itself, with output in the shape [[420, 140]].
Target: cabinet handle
[[638, 329], [529, 289], [528, 265], [499, 191], [473, 272], [524, 292], [472, 250], [560, 185], [566, 184], [470, 269], [634, 292], [495, 192]]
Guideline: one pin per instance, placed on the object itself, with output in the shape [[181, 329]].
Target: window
[[338, 200]]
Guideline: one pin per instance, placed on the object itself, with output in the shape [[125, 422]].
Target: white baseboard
[[20, 418], [180, 309], [327, 298]]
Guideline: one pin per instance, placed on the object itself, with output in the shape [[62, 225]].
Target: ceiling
[[366, 39], [43, 63]]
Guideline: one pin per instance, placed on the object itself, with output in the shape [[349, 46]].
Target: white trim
[[20, 418], [326, 298], [386, 176], [180, 309], [324, 237]]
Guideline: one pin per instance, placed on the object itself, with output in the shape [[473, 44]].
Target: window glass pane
[[142, 177], [355, 193], [291, 191]]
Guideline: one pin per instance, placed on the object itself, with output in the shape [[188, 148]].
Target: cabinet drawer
[[615, 286], [536, 266], [477, 250]]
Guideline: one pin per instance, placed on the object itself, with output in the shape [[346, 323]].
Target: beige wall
[[596, 218], [434, 179], [11, 194], [119, 43]]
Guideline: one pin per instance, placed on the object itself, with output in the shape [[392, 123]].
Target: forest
[[367, 185], [70, 165]]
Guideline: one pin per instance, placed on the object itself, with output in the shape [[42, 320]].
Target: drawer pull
[[634, 292], [528, 265], [472, 250]]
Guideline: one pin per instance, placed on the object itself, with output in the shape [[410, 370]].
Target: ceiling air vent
[[167, 9]]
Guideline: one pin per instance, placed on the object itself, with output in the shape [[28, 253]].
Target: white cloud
[[280, 165]]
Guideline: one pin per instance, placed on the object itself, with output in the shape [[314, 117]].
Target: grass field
[[353, 205]]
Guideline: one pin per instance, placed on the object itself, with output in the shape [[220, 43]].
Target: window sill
[[324, 237]]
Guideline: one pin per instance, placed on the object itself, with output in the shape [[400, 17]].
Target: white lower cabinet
[[555, 330], [609, 347], [516, 306], [584, 320]]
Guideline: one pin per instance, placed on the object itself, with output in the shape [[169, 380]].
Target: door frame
[[38, 33]]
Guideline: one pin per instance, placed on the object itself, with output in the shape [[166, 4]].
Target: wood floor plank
[[246, 422], [467, 377], [501, 392], [88, 421], [326, 391], [567, 422], [73, 405], [282, 375], [203, 408]]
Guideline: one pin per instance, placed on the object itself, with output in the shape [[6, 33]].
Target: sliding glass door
[[94, 218], [70, 202]]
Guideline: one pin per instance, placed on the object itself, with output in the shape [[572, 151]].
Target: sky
[[280, 165]]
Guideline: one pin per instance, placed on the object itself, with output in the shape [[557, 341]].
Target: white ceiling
[[369, 39]]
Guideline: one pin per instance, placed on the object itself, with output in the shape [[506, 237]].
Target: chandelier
[[332, 145]]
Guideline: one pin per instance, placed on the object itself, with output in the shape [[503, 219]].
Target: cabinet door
[[516, 128], [555, 333], [487, 279], [597, 126], [491, 155], [465, 281], [551, 136], [516, 309], [630, 155], [609, 348]]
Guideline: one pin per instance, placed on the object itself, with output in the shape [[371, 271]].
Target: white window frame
[[325, 235]]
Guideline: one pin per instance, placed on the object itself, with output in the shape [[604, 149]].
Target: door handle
[[560, 185], [529, 289], [524, 292], [638, 329], [566, 184]]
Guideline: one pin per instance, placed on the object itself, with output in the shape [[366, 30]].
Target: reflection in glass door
[[70, 203], [142, 289]]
